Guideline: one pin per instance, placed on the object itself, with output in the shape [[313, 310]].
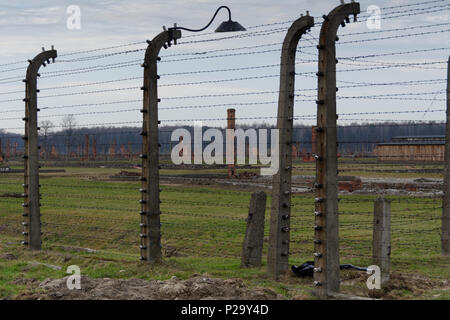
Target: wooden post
[[94, 148], [326, 239], [150, 201], [382, 237], [130, 150], [86, 147], [31, 204], [8, 149], [314, 140], [445, 237], [231, 124], [112, 149], [278, 253], [254, 235]]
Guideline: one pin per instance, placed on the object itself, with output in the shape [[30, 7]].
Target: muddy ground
[[203, 287], [396, 288], [198, 287], [304, 184]]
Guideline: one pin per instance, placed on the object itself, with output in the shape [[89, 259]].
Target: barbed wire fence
[[89, 148]]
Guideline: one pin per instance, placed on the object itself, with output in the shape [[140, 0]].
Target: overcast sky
[[25, 27]]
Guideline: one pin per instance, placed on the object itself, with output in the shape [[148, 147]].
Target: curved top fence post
[[32, 212], [150, 202], [326, 239], [278, 253]]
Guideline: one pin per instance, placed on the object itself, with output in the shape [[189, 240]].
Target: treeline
[[352, 138]]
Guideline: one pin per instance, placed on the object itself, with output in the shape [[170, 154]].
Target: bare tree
[[68, 123], [46, 128]]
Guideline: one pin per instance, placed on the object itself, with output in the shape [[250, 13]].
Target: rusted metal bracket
[[326, 239], [31, 204], [150, 235], [278, 253]]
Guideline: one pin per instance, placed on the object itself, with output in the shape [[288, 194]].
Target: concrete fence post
[[31, 204], [254, 235], [445, 237], [382, 237], [150, 235], [278, 252], [326, 238]]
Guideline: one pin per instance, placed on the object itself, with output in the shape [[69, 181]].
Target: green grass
[[206, 224]]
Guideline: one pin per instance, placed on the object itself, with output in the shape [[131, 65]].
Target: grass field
[[202, 232]]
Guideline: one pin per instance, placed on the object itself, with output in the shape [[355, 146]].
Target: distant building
[[412, 148]]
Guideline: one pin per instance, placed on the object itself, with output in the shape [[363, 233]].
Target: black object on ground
[[307, 269]]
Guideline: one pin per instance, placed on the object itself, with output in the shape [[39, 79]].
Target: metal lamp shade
[[230, 26]]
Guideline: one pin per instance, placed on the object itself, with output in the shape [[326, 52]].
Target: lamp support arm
[[214, 16]]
